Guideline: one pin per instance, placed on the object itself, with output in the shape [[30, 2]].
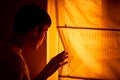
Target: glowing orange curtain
[[89, 31]]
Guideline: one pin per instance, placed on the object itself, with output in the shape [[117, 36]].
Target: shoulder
[[7, 54], [11, 64]]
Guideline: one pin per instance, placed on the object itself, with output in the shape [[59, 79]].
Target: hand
[[53, 65]]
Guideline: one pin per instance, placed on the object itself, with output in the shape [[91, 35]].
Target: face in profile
[[41, 36]]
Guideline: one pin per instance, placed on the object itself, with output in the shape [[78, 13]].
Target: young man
[[31, 24]]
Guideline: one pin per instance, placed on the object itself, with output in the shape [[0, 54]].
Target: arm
[[52, 66]]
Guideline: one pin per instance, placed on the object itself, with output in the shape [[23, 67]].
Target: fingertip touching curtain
[[90, 32]]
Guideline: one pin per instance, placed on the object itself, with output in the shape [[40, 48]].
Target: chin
[[38, 46]]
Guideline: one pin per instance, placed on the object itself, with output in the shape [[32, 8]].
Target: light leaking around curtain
[[90, 33]]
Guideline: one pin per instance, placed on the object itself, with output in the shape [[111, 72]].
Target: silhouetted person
[[31, 24]]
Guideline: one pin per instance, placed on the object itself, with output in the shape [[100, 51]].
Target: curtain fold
[[89, 31]]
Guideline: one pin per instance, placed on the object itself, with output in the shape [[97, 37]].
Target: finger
[[63, 59], [62, 54], [62, 64], [65, 54]]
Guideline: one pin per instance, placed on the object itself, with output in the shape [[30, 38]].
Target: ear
[[36, 31]]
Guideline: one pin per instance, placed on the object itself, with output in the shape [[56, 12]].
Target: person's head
[[31, 18]]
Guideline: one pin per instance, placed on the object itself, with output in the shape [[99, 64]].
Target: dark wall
[[35, 60], [7, 12]]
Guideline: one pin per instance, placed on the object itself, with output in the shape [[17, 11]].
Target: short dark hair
[[29, 16]]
